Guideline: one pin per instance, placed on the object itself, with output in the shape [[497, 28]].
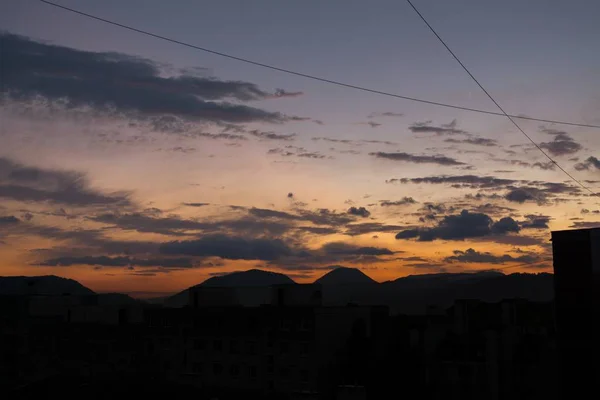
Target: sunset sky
[[136, 165]]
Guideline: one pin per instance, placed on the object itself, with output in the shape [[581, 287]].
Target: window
[[253, 372], [197, 368], [217, 345], [234, 347], [304, 375], [304, 349], [234, 371], [306, 325], [217, 369], [251, 348], [284, 347], [284, 373], [199, 344], [284, 325]]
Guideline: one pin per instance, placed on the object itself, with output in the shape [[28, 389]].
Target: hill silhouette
[[41, 285], [253, 278], [345, 276], [341, 286]]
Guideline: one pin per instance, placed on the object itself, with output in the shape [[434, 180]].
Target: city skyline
[[131, 164]]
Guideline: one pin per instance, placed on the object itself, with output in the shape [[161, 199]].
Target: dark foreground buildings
[[577, 297], [291, 348]]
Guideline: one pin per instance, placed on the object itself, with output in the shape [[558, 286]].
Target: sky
[[137, 165]]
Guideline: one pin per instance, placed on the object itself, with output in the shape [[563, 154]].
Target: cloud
[[477, 141], [272, 135], [176, 226], [341, 248], [563, 144], [471, 181], [196, 204], [232, 248], [402, 202], [473, 256], [27, 183], [461, 226], [370, 227], [585, 225], [535, 222], [444, 129], [441, 160], [370, 123], [505, 225], [126, 84], [320, 216], [106, 261], [523, 195], [285, 93], [360, 212], [589, 163], [9, 220], [294, 151], [385, 114]]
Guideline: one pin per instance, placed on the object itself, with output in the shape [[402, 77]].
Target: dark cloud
[[232, 248], [196, 204], [9, 220], [522, 195], [385, 114], [219, 136], [477, 141], [174, 225], [535, 222], [341, 248], [359, 212], [402, 202], [444, 129], [505, 225], [125, 83], [474, 256], [563, 144], [470, 181], [370, 227], [106, 261], [293, 151], [27, 183], [441, 160], [272, 135], [320, 216], [585, 225], [285, 93], [318, 230], [461, 226], [590, 162]]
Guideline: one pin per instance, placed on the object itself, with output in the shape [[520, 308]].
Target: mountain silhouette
[[345, 276], [253, 278], [49, 285]]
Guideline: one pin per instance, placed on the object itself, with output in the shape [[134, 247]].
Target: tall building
[[577, 294]]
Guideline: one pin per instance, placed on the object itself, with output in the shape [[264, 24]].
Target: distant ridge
[[408, 295], [345, 276], [252, 277], [50, 285], [249, 278]]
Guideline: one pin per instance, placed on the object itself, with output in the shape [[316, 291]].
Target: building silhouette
[[577, 291]]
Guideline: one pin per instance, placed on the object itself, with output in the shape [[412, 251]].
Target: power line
[[495, 102], [313, 77]]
